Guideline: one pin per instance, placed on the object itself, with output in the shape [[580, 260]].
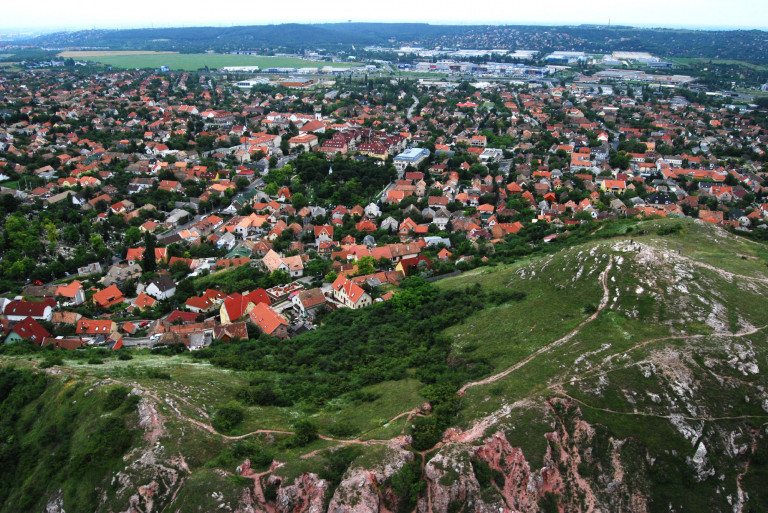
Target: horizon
[[707, 15], [38, 31]]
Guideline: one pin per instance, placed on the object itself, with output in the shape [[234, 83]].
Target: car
[[155, 337], [143, 324], [37, 282]]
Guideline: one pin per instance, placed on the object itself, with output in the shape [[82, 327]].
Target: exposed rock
[[305, 495], [361, 489]]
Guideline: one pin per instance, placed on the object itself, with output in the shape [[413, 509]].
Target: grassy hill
[[623, 373]]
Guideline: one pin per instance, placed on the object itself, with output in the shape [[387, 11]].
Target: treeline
[[357, 348], [744, 45]]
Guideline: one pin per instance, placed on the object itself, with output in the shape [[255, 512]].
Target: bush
[[51, 360], [95, 360], [264, 394], [157, 374], [342, 429], [115, 398], [406, 485], [227, 417], [305, 431]]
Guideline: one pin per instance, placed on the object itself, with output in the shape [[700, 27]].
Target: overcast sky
[[56, 14]]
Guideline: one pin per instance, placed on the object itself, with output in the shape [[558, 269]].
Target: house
[[73, 292], [229, 332], [108, 297], [268, 321], [323, 233], [349, 294], [119, 273], [27, 329], [411, 265], [65, 317], [618, 186], [206, 302], [237, 305], [161, 288], [144, 301], [307, 302], [95, 327], [20, 310]]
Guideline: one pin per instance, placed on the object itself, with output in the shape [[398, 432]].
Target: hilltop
[[620, 374]]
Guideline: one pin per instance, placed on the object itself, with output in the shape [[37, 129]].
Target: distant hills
[[742, 45]]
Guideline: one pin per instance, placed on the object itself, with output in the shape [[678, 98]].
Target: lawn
[[195, 61]]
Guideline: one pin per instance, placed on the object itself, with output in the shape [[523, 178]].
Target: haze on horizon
[[51, 15]]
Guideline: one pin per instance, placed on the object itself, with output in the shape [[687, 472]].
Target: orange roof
[[266, 318], [108, 297], [69, 290]]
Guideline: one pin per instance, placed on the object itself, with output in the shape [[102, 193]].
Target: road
[[412, 107]]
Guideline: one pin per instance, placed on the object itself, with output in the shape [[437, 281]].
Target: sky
[[48, 15]]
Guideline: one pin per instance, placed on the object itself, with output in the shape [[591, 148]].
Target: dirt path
[[659, 416], [556, 343], [585, 375]]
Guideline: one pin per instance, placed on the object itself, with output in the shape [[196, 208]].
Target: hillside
[[741, 45], [622, 374]]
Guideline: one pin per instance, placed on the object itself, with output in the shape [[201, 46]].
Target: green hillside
[[625, 373]]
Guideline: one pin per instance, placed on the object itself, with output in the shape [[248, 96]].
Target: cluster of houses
[[477, 164]]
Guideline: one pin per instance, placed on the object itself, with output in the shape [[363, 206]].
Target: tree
[[366, 265], [305, 431], [241, 183], [299, 201], [149, 262], [132, 236]]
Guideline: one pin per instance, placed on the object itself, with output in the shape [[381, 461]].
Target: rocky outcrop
[[151, 477], [364, 489], [576, 475], [306, 494], [451, 481]]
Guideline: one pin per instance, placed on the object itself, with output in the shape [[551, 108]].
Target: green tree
[[366, 265], [299, 201], [305, 431], [132, 236], [149, 262]]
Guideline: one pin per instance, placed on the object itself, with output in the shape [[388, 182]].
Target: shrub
[[305, 431], [115, 398], [227, 417]]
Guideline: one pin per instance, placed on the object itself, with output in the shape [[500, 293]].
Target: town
[[150, 208]]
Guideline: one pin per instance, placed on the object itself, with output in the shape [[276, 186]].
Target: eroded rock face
[[362, 490], [517, 486], [151, 477], [451, 480], [305, 495]]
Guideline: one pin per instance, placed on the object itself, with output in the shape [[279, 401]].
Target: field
[[195, 61], [689, 60]]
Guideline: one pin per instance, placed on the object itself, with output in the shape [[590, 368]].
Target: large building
[[410, 157]]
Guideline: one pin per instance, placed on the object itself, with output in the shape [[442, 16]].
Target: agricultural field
[[194, 61]]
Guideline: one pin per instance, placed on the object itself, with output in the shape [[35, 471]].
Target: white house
[[161, 288]]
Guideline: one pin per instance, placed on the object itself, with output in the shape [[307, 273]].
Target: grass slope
[[658, 336], [674, 361]]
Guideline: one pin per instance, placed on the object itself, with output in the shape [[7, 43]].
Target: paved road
[[410, 109]]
